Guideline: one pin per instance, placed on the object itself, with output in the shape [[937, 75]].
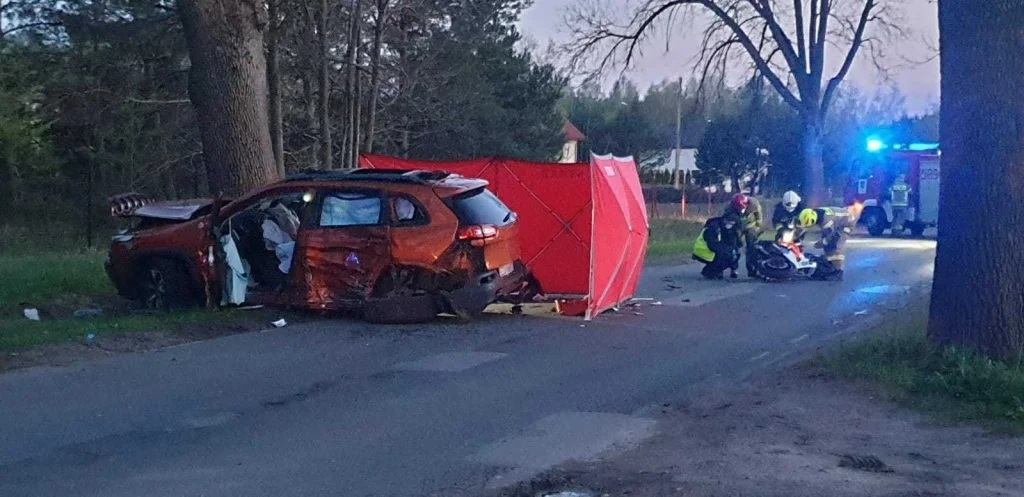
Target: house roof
[[573, 133]]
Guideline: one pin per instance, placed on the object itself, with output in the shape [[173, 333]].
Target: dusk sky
[[918, 81]]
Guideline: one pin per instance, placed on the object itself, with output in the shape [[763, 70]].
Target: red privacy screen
[[553, 202]]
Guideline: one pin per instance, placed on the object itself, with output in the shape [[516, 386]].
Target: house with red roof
[[571, 148]]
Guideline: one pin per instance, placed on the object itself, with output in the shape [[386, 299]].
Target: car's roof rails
[[381, 175]]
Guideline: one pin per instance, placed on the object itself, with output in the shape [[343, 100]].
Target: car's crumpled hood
[[177, 210]]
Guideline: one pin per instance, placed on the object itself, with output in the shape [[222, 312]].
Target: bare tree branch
[[851, 55]]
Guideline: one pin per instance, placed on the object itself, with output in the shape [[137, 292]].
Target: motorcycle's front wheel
[[775, 267]]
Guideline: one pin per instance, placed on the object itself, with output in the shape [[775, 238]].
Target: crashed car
[[399, 246]]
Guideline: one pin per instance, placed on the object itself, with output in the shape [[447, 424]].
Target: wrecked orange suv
[[399, 246]]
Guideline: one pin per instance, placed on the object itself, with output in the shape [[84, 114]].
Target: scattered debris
[[280, 323], [88, 312], [638, 313], [656, 303], [642, 299], [251, 307], [686, 301], [781, 295], [861, 313], [567, 494], [31, 313], [673, 287], [90, 336], [870, 464]]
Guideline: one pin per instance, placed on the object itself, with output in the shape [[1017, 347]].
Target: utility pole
[[679, 132]]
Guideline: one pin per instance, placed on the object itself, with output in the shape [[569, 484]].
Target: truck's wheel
[[165, 285], [875, 221]]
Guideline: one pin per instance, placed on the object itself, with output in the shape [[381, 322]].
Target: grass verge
[[951, 383], [673, 237], [17, 335], [58, 284], [43, 278]]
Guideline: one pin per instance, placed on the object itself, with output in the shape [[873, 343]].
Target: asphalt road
[[341, 408]]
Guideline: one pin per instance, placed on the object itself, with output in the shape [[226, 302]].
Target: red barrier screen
[[553, 202]]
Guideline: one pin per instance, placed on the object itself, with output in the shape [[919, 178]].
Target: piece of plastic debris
[[686, 301], [638, 314], [32, 314], [90, 336], [861, 313], [568, 494], [656, 303], [280, 323], [781, 295], [642, 299], [88, 312], [251, 307]]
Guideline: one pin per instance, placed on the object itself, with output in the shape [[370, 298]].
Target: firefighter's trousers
[[834, 243]]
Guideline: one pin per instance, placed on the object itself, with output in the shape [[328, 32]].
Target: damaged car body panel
[[401, 245]]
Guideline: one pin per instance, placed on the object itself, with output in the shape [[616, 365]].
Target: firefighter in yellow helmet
[[836, 226]]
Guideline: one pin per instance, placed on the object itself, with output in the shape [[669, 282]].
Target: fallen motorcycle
[[785, 260]]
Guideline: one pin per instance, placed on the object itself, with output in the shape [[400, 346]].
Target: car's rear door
[[344, 249]]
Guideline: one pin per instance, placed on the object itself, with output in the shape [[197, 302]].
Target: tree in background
[[978, 290], [785, 42]]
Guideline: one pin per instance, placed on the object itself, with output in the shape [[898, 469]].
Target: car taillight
[[479, 234]]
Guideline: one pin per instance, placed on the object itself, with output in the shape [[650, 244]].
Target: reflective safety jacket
[[714, 239]]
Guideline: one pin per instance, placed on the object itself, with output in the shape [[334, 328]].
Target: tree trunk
[[274, 86], [352, 132], [326, 148], [814, 166], [228, 88], [978, 290], [378, 33]]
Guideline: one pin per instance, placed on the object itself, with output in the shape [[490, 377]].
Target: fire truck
[[897, 186]]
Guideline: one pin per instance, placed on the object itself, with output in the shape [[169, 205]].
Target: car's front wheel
[[165, 285]]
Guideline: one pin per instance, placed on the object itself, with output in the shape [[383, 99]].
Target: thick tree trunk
[[978, 291], [814, 166], [274, 86], [326, 144], [228, 87]]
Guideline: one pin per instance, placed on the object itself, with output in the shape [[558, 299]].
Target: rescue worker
[[718, 247], [751, 225], [785, 212], [836, 226]]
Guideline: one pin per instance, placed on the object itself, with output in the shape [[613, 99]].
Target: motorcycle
[[784, 259]]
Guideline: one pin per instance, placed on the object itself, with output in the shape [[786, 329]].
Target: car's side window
[[341, 209], [407, 211]]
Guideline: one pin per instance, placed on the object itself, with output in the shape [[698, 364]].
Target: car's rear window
[[480, 206]]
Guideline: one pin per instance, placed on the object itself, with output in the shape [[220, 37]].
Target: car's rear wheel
[[165, 285], [396, 301]]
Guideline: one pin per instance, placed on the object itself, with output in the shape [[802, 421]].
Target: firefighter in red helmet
[[748, 210]]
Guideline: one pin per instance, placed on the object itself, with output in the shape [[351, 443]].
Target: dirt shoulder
[[798, 435]]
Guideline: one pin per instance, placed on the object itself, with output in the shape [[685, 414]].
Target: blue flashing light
[[875, 145], [923, 147]]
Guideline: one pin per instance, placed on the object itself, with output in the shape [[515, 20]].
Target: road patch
[[450, 362], [562, 437]]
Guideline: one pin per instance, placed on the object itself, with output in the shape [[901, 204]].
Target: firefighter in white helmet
[[786, 212]]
